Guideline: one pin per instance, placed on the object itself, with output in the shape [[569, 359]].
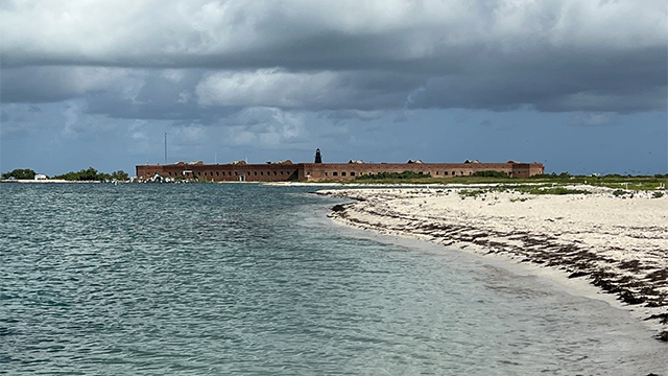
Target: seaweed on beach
[[338, 208]]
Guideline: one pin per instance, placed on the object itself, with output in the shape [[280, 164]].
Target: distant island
[[89, 174]]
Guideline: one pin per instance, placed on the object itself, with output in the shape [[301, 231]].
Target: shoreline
[[617, 244], [48, 181]]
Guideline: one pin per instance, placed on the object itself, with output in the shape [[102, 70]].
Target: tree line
[[89, 174]]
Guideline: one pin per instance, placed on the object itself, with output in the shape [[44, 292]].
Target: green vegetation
[[393, 175], [20, 173], [563, 175], [470, 193], [548, 184], [390, 176], [530, 189], [557, 191], [491, 174], [91, 174], [120, 175], [627, 183]]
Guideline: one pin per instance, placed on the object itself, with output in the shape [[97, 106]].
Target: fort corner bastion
[[288, 171]]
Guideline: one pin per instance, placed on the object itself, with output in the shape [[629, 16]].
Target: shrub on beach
[[559, 191], [393, 175], [563, 175], [490, 174]]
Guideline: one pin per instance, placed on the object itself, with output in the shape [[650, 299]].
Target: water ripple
[[238, 279]]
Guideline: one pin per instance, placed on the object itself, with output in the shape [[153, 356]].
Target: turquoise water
[[251, 280]]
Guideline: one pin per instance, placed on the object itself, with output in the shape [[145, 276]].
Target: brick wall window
[[352, 173], [343, 173], [335, 173]]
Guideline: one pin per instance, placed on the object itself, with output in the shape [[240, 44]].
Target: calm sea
[[211, 279]]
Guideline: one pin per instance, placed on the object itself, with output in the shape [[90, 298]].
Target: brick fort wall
[[325, 171]]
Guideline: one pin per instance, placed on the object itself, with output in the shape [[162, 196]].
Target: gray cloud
[[200, 60], [58, 83], [592, 119], [352, 114], [298, 33], [324, 90]]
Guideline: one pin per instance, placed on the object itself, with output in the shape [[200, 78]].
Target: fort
[[318, 171]]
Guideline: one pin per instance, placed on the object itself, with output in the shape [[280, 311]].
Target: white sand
[[619, 243]]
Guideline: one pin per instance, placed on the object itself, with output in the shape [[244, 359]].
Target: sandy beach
[[617, 243]]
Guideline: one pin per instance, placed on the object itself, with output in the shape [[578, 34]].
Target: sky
[[579, 85]]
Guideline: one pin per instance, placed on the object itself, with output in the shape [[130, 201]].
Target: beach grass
[[539, 184]]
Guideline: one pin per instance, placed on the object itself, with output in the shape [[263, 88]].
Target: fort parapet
[[324, 171]]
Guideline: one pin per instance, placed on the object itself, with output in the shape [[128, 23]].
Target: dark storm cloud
[[201, 60], [59, 83], [601, 81], [163, 95]]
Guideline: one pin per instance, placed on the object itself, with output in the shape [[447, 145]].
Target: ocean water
[[242, 279]]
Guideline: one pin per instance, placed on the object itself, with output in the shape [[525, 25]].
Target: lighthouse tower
[[318, 157]]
